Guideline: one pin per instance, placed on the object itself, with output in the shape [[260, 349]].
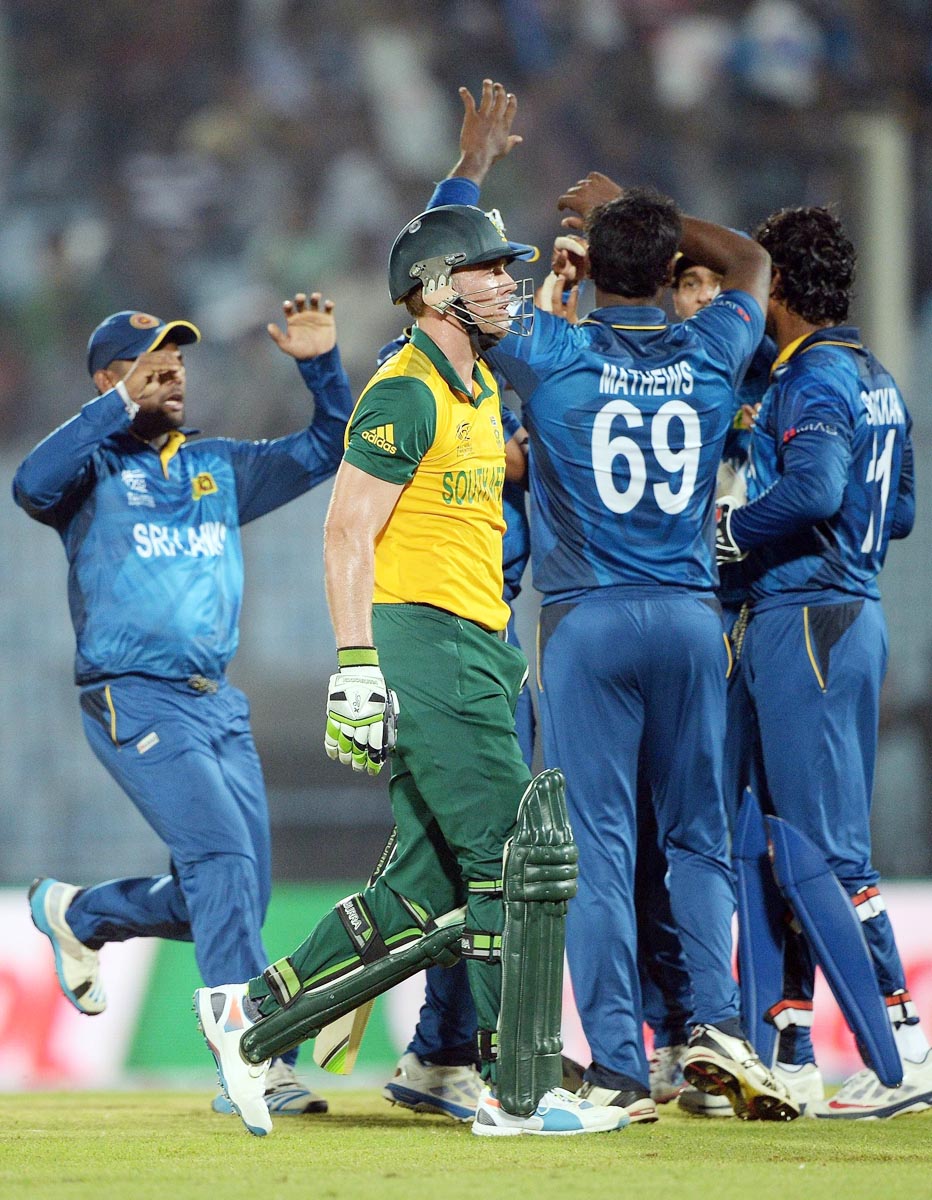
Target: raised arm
[[53, 477], [485, 137], [270, 473], [741, 261]]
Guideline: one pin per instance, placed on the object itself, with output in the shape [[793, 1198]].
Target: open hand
[[310, 326], [486, 133], [585, 195]]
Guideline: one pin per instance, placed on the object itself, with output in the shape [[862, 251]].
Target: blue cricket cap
[[129, 334]]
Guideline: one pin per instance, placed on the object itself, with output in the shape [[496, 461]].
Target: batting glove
[[361, 711], [727, 549]]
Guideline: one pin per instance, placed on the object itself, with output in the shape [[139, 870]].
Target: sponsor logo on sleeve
[[810, 427], [382, 437], [742, 312]]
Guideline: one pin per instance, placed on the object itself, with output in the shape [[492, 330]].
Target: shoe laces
[[856, 1083], [282, 1074]]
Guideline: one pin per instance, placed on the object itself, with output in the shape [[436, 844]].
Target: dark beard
[[149, 425]]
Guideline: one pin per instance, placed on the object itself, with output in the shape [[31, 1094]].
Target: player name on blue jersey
[[627, 417], [884, 407], [674, 379]]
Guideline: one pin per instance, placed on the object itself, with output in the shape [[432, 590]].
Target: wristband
[[357, 656]]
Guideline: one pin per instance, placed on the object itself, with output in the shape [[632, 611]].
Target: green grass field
[[148, 1144]]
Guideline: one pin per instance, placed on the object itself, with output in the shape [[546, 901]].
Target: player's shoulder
[[831, 367], [731, 312]]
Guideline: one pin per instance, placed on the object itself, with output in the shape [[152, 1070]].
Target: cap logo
[[143, 321], [496, 218]]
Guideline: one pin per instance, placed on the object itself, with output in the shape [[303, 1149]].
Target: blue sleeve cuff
[[457, 190], [106, 414], [322, 367]]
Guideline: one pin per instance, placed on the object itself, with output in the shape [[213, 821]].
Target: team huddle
[[711, 501]]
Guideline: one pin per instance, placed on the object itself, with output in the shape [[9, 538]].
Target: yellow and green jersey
[[418, 424]]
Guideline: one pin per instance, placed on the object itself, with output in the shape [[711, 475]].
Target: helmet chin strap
[[480, 339], [442, 296]]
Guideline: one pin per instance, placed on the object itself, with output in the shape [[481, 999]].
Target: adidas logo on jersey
[[383, 437]]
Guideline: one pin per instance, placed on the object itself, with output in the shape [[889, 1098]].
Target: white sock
[[911, 1042], [792, 1068]]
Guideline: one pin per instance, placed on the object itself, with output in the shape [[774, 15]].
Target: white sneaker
[[76, 965], [223, 1022], [636, 1102], [723, 1065], [558, 1113], [285, 1094], [666, 1076], [864, 1098], [431, 1088], [805, 1084], [704, 1104]]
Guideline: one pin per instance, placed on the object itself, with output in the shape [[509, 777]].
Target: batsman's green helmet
[[442, 239]]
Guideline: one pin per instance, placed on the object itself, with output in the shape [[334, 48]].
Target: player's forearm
[[272, 473], [455, 189], [58, 461], [349, 575], [811, 489], [326, 378], [904, 512], [741, 262]]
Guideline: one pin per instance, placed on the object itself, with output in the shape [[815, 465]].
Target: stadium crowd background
[[207, 158]]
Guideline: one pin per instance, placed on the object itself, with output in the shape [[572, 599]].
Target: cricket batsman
[[486, 861]]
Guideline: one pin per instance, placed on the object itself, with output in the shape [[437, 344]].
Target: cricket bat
[[337, 1045]]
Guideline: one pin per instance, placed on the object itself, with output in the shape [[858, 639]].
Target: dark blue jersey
[[734, 578], [627, 417], [155, 566], [831, 476]]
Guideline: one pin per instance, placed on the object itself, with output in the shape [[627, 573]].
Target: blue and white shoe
[[223, 1021], [559, 1113], [285, 1094], [76, 965], [666, 1079], [431, 1088], [863, 1097]]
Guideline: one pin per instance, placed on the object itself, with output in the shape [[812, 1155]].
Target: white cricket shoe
[[805, 1084], [704, 1104], [558, 1113], [723, 1065], [864, 1098], [223, 1022], [666, 1076], [431, 1088], [636, 1102], [285, 1094], [76, 965]]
